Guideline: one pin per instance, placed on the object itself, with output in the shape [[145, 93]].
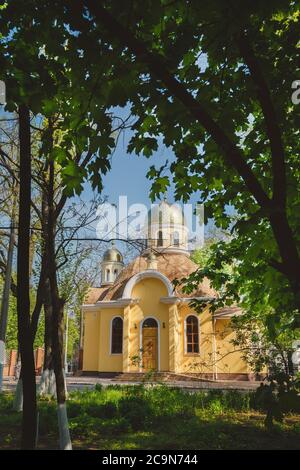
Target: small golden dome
[[112, 254]]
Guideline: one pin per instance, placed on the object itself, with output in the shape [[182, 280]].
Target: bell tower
[[111, 265]]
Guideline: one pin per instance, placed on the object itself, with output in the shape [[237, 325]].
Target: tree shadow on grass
[[195, 433]]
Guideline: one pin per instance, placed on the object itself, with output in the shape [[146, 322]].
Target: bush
[[6, 402], [216, 406], [105, 411], [137, 411], [81, 425], [74, 409], [47, 418], [116, 426], [235, 400], [224, 400], [166, 401], [289, 402]]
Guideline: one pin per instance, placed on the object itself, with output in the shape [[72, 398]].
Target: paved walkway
[[82, 383]]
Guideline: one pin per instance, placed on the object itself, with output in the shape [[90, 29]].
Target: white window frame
[[185, 335]]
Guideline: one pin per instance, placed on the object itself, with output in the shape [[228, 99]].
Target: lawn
[[158, 417]]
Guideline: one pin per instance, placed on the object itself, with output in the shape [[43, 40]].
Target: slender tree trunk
[[18, 400], [40, 294], [47, 383], [288, 251], [29, 418], [6, 293], [57, 322], [48, 361]]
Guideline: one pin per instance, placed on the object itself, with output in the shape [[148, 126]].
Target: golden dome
[[165, 213], [112, 254]]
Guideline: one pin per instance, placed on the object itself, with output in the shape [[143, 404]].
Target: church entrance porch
[[149, 345]]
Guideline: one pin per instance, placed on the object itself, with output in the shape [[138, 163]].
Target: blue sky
[[128, 172]]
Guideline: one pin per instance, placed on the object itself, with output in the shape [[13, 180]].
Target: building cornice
[[119, 303], [167, 250], [170, 300], [184, 300], [124, 302]]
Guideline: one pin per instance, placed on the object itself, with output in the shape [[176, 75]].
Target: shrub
[[116, 426], [235, 400], [82, 425], [216, 406], [289, 402], [224, 400], [6, 402], [105, 411], [137, 411], [47, 418], [74, 409], [166, 401]]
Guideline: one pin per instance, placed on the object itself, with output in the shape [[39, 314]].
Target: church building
[[136, 321]]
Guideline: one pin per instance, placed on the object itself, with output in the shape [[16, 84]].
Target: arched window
[[160, 238], [107, 275], [115, 273], [150, 323], [176, 239], [117, 336], [192, 334]]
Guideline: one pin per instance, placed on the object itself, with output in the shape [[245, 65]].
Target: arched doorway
[[150, 344]]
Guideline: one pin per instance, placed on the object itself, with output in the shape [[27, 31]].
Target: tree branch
[[158, 68], [272, 126]]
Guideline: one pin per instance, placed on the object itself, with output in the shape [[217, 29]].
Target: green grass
[[137, 417]]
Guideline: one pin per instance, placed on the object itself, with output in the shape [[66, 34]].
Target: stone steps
[[158, 377]]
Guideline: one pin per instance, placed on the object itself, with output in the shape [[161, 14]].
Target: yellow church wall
[[227, 361], [171, 318], [91, 340], [149, 291], [201, 362], [108, 362]]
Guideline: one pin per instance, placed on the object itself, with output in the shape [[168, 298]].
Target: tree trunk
[[48, 359], [29, 418], [40, 294], [288, 251], [18, 398], [57, 320], [6, 293], [47, 384]]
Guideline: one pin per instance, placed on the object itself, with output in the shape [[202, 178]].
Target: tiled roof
[[173, 266], [228, 312]]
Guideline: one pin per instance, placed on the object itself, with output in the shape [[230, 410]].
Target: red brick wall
[[11, 361]]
